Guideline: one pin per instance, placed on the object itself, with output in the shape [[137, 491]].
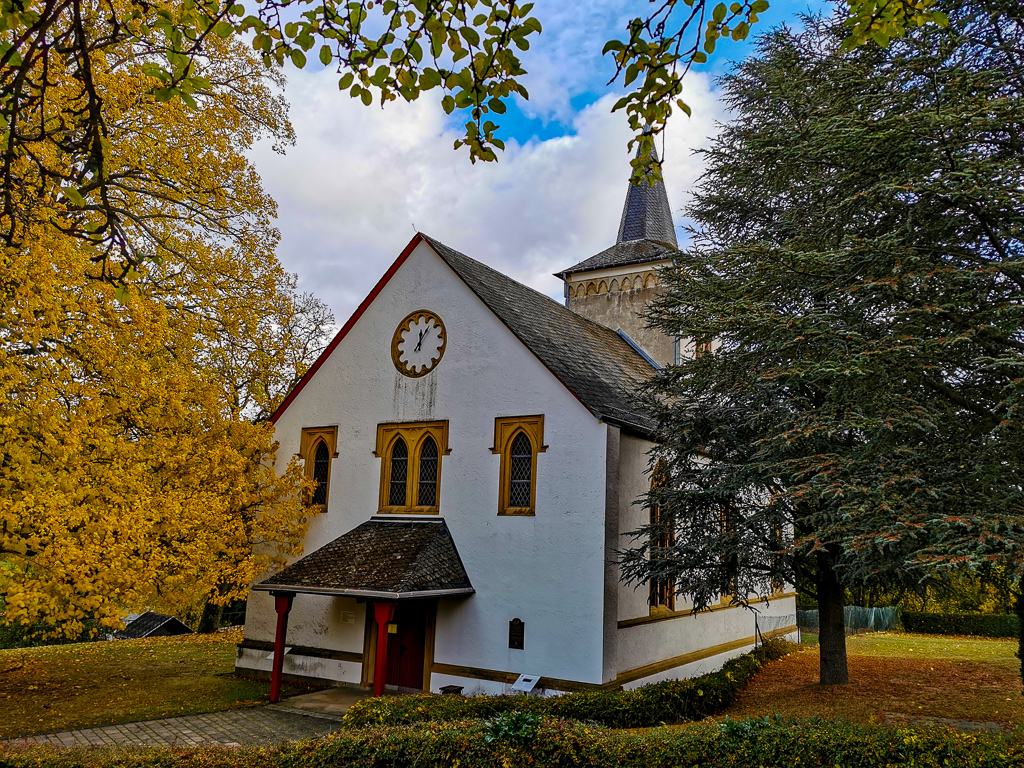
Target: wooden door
[[406, 646]]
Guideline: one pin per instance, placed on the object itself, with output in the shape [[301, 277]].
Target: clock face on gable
[[418, 344]]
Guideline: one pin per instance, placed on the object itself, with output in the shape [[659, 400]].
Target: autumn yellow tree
[[134, 465]]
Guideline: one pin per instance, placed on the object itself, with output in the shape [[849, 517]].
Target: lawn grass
[[896, 677], [56, 687]]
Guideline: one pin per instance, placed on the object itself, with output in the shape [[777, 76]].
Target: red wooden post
[[282, 604], [383, 613]]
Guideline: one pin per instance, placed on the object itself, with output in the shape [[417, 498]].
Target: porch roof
[[383, 558]]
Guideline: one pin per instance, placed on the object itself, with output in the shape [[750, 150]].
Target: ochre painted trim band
[[475, 673], [688, 658], [551, 683], [680, 614], [303, 650]]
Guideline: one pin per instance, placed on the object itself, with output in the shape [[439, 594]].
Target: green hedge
[[20, 636], [672, 701], [982, 624], [557, 744]]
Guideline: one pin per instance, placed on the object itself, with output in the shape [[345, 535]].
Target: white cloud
[[565, 59], [359, 179]]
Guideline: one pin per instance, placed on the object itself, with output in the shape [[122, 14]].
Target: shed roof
[[382, 558], [149, 622]]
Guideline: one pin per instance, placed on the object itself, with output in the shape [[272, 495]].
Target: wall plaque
[[516, 634]]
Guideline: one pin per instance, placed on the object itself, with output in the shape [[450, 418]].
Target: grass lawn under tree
[[56, 687]]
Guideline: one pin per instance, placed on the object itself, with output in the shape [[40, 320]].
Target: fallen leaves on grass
[[881, 687], [51, 688]]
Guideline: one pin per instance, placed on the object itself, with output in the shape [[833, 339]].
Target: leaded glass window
[[520, 471], [427, 496], [321, 471], [399, 473], [662, 538]]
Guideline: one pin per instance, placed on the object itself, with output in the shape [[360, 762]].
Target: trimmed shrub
[[980, 624], [741, 744], [671, 701]]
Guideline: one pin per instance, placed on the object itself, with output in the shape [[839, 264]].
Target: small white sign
[[348, 617], [287, 648], [525, 683]]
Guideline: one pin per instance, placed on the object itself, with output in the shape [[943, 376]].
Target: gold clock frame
[[405, 325]]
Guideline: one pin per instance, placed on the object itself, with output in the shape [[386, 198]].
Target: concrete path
[[299, 717]]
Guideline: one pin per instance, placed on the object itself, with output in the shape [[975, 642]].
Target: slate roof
[[646, 215], [593, 362], [383, 558], [148, 623], [621, 255]]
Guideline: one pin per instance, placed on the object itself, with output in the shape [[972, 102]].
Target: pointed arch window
[[317, 447], [662, 536], [520, 481], [398, 489], [321, 472], [411, 465], [518, 439], [426, 491]]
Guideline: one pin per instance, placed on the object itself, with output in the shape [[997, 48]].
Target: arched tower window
[[321, 472], [426, 495], [399, 474]]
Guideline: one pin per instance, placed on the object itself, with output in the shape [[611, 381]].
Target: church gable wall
[[546, 570]]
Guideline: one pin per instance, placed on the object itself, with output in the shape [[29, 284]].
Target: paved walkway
[[299, 717]]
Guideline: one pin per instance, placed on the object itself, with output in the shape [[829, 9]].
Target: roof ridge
[[593, 362], [561, 307]]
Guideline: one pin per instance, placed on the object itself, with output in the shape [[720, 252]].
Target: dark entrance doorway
[[407, 646]]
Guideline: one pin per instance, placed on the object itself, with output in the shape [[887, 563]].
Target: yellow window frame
[[505, 430], [414, 434], [662, 593], [311, 437]]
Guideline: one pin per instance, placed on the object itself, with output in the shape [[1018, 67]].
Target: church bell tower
[[613, 287]]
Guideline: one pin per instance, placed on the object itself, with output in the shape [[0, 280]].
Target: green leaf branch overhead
[[466, 51], [662, 46]]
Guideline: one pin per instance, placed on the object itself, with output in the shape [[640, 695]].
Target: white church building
[[478, 454]]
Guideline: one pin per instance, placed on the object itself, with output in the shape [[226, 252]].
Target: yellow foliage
[[133, 466]]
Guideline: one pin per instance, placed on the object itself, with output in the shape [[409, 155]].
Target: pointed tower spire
[[646, 214]]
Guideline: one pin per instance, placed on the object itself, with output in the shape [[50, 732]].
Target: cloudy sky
[[361, 180]]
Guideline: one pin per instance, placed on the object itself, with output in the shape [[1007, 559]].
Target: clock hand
[[420, 342]]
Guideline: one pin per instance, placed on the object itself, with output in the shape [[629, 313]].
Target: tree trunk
[[210, 621], [832, 624]]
